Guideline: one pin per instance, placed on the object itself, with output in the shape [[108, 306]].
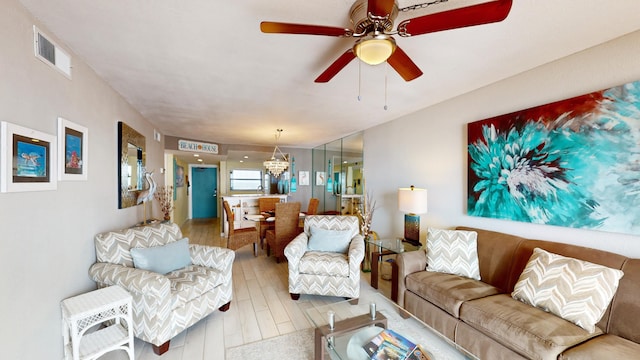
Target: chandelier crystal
[[276, 166]]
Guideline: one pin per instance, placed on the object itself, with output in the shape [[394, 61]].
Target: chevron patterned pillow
[[453, 252], [575, 290]]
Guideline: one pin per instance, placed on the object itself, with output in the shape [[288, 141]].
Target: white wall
[[46, 237], [428, 148]]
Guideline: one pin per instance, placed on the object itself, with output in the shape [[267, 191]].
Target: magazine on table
[[389, 345]]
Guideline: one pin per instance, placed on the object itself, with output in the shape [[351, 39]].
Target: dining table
[[265, 221]]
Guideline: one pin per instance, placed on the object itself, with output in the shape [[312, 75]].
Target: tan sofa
[[482, 318]]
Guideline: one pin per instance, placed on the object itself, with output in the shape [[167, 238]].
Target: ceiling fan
[[373, 27]]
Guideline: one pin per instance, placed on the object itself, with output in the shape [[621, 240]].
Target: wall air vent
[[50, 53]]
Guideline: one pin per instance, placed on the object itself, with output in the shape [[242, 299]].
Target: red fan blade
[[380, 7], [469, 16], [401, 62], [285, 28], [335, 68]]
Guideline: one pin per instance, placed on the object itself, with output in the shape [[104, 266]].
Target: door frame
[[189, 198]]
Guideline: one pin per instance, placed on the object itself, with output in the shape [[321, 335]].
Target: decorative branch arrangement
[[365, 214], [164, 195]]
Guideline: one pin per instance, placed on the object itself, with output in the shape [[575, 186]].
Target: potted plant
[[164, 195]]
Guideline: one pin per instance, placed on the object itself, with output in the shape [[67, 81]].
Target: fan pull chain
[[359, 79], [386, 72], [421, 6]]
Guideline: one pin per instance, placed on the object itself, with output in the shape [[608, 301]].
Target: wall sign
[[195, 146]]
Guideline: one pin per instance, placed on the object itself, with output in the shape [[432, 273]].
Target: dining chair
[[312, 209], [313, 206], [267, 204], [267, 207], [286, 228], [237, 238]]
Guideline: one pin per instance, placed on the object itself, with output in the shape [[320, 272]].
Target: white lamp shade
[[374, 51], [412, 200]]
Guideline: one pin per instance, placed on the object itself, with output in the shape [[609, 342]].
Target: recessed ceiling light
[[196, 155], [200, 160], [246, 156], [241, 161]]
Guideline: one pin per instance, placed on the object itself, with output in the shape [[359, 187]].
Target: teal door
[[204, 184]]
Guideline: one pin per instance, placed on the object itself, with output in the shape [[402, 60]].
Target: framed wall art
[[28, 159], [73, 150], [179, 176], [571, 163], [320, 178], [304, 177]]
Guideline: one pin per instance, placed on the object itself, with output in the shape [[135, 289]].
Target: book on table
[[389, 345]]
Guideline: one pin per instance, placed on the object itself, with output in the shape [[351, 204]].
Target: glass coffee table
[[353, 327]]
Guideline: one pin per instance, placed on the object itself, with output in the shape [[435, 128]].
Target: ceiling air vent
[[50, 53]]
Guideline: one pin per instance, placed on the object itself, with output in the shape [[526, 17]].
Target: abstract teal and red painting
[[573, 163]]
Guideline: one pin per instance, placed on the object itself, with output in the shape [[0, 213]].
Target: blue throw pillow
[[329, 240], [163, 259]]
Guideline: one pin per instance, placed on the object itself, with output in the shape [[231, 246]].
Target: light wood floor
[[261, 307]]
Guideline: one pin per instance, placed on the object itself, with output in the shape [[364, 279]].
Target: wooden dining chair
[[267, 204], [313, 206], [267, 207], [312, 209], [286, 228], [237, 238]]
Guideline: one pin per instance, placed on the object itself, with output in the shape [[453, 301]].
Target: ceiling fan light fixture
[[375, 49]]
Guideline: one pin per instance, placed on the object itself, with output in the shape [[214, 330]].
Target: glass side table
[[384, 247]]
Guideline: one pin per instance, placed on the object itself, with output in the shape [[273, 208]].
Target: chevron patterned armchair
[[164, 304], [332, 273]]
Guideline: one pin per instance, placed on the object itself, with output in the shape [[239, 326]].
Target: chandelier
[[276, 166]]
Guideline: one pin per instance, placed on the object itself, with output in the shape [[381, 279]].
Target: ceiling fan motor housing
[[362, 24]]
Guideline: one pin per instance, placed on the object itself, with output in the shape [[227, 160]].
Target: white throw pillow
[[329, 240], [453, 252], [575, 290], [163, 259]]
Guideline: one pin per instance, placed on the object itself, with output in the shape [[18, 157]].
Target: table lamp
[[412, 201]]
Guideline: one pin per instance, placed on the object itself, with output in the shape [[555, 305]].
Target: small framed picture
[[179, 176], [304, 177], [320, 178], [28, 159], [73, 150]]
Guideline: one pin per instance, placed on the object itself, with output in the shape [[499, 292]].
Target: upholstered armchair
[[164, 304], [322, 266]]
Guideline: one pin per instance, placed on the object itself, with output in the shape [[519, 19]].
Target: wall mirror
[[131, 162], [340, 162], [352, 149]]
